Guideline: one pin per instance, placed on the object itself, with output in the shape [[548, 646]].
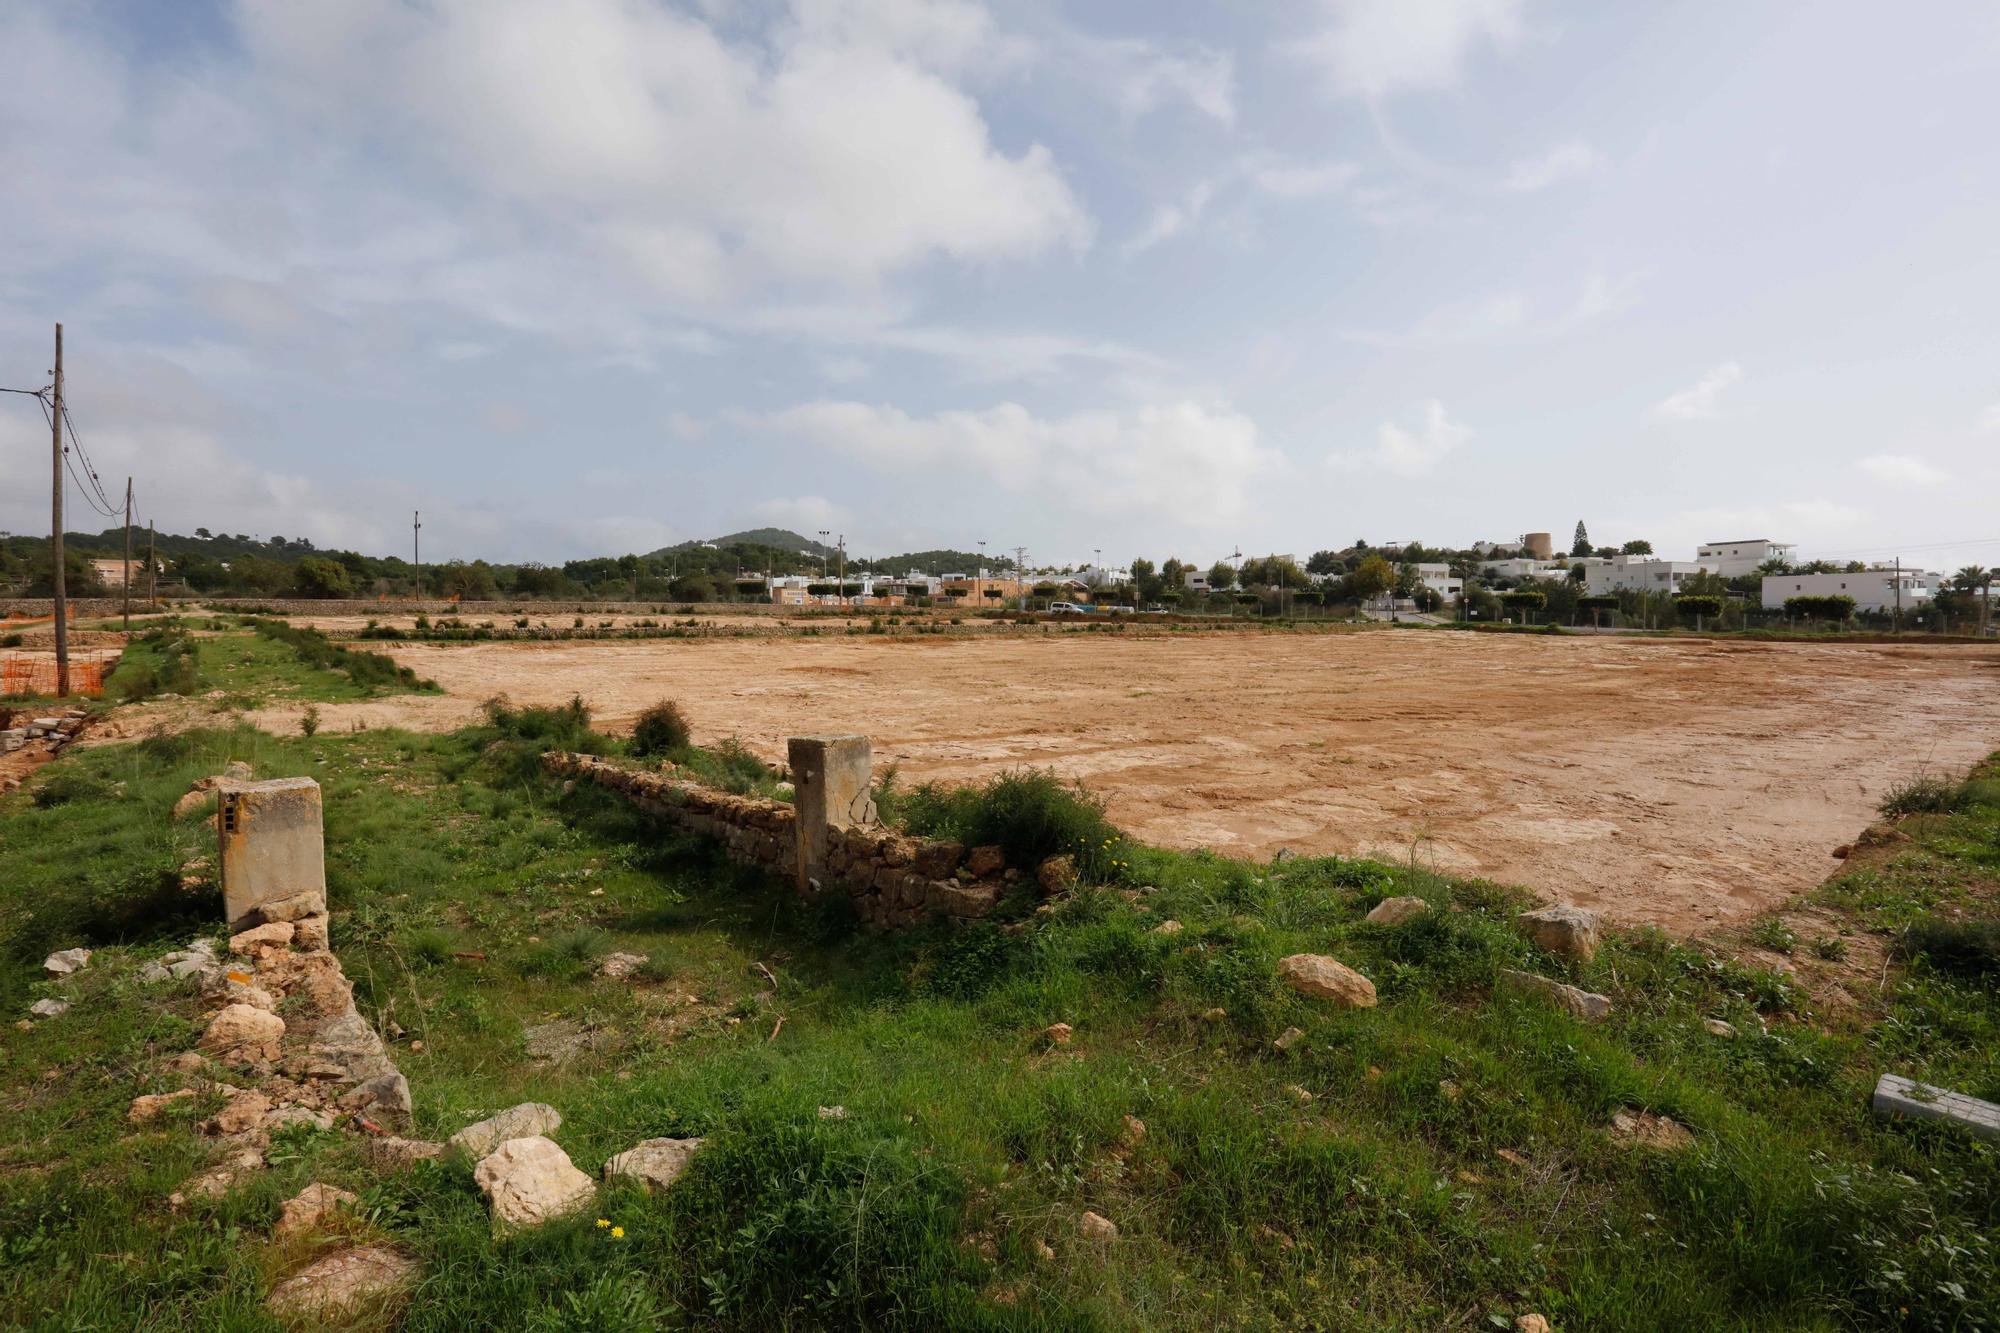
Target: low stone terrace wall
[[894, 880]]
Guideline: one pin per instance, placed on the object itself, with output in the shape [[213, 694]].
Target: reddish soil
[[1685, 783]]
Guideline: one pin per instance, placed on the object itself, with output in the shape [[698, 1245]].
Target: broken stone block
[[1327, 978], [832, 778], [1096, 1226], [654, 1163], [1395, 911], [1568, 932], [270, 935], [529, 1181], [1586, 1005], [1644, 1129], [384, 1097], [618, 966], [243, 1113], [150, 1107], [344, 1284], [1055, 875], [390, 1153], [981, 862], [528, 1120], [271, 850], [1899, 1096], [49, 1008], [218, 1182]]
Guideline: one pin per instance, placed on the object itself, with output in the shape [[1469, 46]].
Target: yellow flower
[[604, 1221], [618, 1233]]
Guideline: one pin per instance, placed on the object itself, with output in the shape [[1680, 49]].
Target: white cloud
[[806, 514], [1299, 180], [842, 369], [1900, 470], [1409, 451], [1698, 401], [1169, 221], [1184, 462], [1990, 418], [1374, 48], [1563, 163]]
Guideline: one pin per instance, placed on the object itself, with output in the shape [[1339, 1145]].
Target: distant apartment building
[[1733, 559], [1641, 573], [1438, 578], [1517, 567], [1874, 589], [111, 573], [1195, 580]]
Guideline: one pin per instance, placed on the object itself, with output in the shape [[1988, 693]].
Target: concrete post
[[831, 778], [271, 846]]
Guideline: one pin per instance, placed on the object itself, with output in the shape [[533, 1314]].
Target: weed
[[1960, 948], [1773, 934], [661, 728], [309, 721]]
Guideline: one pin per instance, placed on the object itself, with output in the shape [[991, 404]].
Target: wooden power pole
[[152, 571], [56, 533], [128, 555]]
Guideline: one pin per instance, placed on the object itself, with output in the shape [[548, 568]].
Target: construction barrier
[[35, 673]]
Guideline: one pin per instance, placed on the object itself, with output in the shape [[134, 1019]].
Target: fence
[[35, 673]]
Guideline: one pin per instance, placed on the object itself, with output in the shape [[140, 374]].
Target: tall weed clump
[[1028, 813], [661, 729], [162, 661]]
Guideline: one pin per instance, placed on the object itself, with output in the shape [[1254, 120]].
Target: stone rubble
[[343, 1284], [528, 1120], [654, 1163], [65, 962], [1568, 932], [1327, 978], [49, 1008], [311, 1206], [1395, 911], [1586, 1005]]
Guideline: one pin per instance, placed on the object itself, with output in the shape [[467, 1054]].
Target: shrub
[[1961, 948], [1837, 609], [1030, 814], [370, 670], [660, 729], [309, 721], [13, 641], [65, 787], [565, 727], [1925, 794]]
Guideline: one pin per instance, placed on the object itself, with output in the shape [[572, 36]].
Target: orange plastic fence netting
[[36, 674]]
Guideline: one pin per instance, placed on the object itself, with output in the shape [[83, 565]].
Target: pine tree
[[1581, 546]]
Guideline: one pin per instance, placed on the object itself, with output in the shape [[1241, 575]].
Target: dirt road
[[1683, 783]]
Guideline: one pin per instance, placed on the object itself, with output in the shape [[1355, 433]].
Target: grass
[[1451, 1168], [275, 664]]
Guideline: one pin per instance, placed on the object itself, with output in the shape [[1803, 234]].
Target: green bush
[[313, 648], [66, 786], [660, 729], [1029, 814], [161, 661], [562, 727], [1926, 794], [1961, 948]]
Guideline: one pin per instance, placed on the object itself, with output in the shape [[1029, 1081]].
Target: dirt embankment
[[1682, 783]]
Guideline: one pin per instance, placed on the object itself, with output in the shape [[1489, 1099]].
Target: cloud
[[1566, 162], [1990, 418], [1408, 451], [1698, 402], [806, 514], [1376, 48], [1169, 221], [842, 369], [1299, 180], [1141, 76], [1186, 462], [1900, 470]]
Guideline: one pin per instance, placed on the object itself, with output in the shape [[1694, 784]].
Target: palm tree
[[1974, 577]]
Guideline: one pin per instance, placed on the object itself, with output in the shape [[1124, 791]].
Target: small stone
[[1096, 1226], [528, 1181], [309, 932], [218, 1182], [1289, 1038], [344, 1284], [1282, 855], [192, 802], [1568, 932], [1298, 1094], [1586, 1005], [1327, 978], [1168, 927], [1643, 1129], [528, 1120], [1448, 1090], [1044, 1251], [243, 1113], [1395, 911], [1058, 1034], [49, 1008], [65, 961], [1509, 1155], [1531, 1323], [149, 1108], [288, 1117], [271, 935], [154, 973], [1717, 1028], [983, 861], [1215, 1015], [1056, 874], [309, 1207], [384, 1097], [239, 770], [618, 966], [241, 1032], [390, 1153], [833, 1113], [654, 1163], [1135, 1131]]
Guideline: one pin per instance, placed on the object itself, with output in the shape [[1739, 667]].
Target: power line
[[70, 465]]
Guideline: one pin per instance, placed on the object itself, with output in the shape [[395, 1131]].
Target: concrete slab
[[1899, 1096], [831, 784], [271, 844]]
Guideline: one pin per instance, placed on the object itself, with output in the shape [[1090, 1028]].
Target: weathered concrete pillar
[[831, 778], [271, 851]]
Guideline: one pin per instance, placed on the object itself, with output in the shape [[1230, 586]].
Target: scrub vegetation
[[908, 1149]]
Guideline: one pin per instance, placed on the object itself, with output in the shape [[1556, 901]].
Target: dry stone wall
[[894, 880]]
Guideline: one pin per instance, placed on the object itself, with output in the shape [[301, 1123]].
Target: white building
[[1519, 567], [1731, 559], [1438, 578], [1641, 573], [1873, 589], [1195, 580]]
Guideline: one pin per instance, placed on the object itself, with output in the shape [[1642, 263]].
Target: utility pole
[[1021, 574], [979, 577], [56, 534], [417, 549], [152, 570], [1899, 595], [128, 555], [840, 543]]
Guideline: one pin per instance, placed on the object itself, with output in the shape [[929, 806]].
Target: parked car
[[1068, 609]]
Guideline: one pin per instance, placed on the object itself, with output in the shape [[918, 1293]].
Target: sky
[[1149, 277]]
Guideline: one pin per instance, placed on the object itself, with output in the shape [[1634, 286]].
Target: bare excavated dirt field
[[1683, 783]]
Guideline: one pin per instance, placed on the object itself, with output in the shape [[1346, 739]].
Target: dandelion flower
[[604, 1221], [618, 1233]]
